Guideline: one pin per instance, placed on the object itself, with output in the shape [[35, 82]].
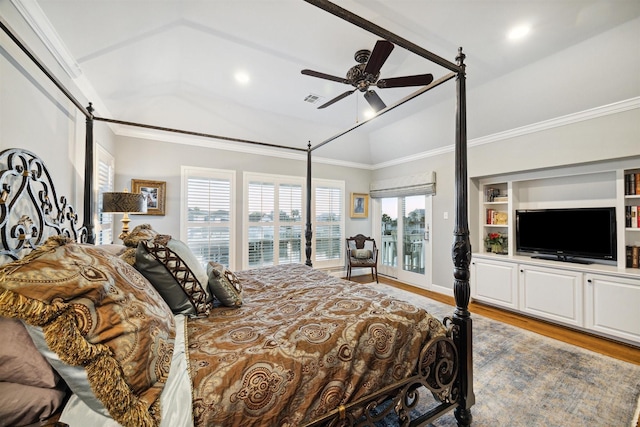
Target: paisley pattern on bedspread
[[302, 343]]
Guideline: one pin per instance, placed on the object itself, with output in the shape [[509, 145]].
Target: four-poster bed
[[442, 361]]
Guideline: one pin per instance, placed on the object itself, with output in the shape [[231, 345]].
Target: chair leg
[[376, 270], [348, 272]]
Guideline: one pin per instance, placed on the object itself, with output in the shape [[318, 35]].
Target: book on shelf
[[632, 256], [634, 220], [632, 184], [495, 217]]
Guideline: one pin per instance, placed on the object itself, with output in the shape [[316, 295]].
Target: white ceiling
[[172, 62]]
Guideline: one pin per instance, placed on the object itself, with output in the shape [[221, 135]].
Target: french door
[[404, 236]]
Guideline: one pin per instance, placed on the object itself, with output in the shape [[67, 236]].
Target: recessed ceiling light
[[518, 32], [368, 113], [242, 77]]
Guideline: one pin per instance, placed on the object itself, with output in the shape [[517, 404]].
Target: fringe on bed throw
[[63, 337]]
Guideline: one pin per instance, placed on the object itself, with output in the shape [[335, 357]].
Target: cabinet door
[[495, 282], [553, 294], [613, 306]]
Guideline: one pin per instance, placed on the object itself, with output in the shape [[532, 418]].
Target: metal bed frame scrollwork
[[445, 364], [30, 210]]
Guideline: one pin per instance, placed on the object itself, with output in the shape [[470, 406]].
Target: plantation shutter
[[261, 204], [290, 228], [209, 208], [329, 223], [105, 178]]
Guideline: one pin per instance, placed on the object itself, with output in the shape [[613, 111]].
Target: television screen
[[568, 233]]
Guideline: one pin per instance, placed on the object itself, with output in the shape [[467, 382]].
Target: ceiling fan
[[366, 74]]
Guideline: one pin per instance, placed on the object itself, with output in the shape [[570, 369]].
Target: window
[[104, 180], [328, 235], [207, 214], [273, 220]]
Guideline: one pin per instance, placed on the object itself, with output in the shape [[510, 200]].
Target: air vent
[[312, 99]]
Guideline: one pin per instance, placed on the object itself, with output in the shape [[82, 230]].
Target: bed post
[[308, 233], [88, 178], [461, 253]]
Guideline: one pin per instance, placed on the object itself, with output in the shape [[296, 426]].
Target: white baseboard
[[441, 289]]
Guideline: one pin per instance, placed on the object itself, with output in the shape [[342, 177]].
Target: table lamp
[[124, 203]]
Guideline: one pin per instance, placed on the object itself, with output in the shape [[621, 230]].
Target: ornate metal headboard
[[30, 210]]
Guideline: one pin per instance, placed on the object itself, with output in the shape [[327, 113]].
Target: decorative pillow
[[176, 273], [113, 249], [22, 404], [139, 233], [361, 253], [20, 360], [224, 285], [98, 314]]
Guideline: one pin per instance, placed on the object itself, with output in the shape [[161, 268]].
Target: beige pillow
[[361, 253], [96, 314], [139, 233]]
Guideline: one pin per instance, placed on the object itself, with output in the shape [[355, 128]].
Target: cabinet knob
[[521, 271], [588, 280]]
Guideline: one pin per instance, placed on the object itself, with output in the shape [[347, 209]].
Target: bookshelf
[[632, 218], [495, 217]]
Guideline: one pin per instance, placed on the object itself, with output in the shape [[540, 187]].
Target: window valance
[[411, 185]]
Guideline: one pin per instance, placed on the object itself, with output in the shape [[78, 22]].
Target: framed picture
[[154, 192], [359, 205]]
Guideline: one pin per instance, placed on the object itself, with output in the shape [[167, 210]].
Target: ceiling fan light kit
[[366, 74]]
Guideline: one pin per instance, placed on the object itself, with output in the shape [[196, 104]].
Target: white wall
[[36, 116], [147, 159]]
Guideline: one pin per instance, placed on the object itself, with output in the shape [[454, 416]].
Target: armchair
[[362, 252]]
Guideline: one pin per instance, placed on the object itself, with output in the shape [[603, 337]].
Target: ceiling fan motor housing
[[359, 79]]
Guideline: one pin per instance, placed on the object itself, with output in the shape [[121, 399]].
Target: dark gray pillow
[[176, 274], [224, 285]]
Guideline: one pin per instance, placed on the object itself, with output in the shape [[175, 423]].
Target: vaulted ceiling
[[174, 63]]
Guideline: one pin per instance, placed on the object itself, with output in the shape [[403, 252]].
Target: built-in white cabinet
[[496, 282], [600, 299], [612, 305], [551, 293]]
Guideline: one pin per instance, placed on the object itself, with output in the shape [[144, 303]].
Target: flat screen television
[[574, 235]]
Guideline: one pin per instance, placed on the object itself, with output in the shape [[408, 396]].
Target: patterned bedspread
[[302, 343]]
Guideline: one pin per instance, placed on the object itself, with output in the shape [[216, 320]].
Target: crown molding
[[593, 113], [38, 21]]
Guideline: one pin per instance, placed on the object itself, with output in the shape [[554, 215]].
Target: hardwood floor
[[608, 347]]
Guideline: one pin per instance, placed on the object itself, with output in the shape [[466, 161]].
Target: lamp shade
[[124, 202]]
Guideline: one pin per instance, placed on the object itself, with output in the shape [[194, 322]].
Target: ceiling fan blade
[[374, 100], [381, 52], [417, 80], [324, 76], [336, 99]]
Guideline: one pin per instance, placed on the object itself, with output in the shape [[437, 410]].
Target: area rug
[[525, 379]]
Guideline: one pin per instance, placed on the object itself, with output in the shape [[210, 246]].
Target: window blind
[[105, 178], [209, 212], [329, 224], [411, 185]]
